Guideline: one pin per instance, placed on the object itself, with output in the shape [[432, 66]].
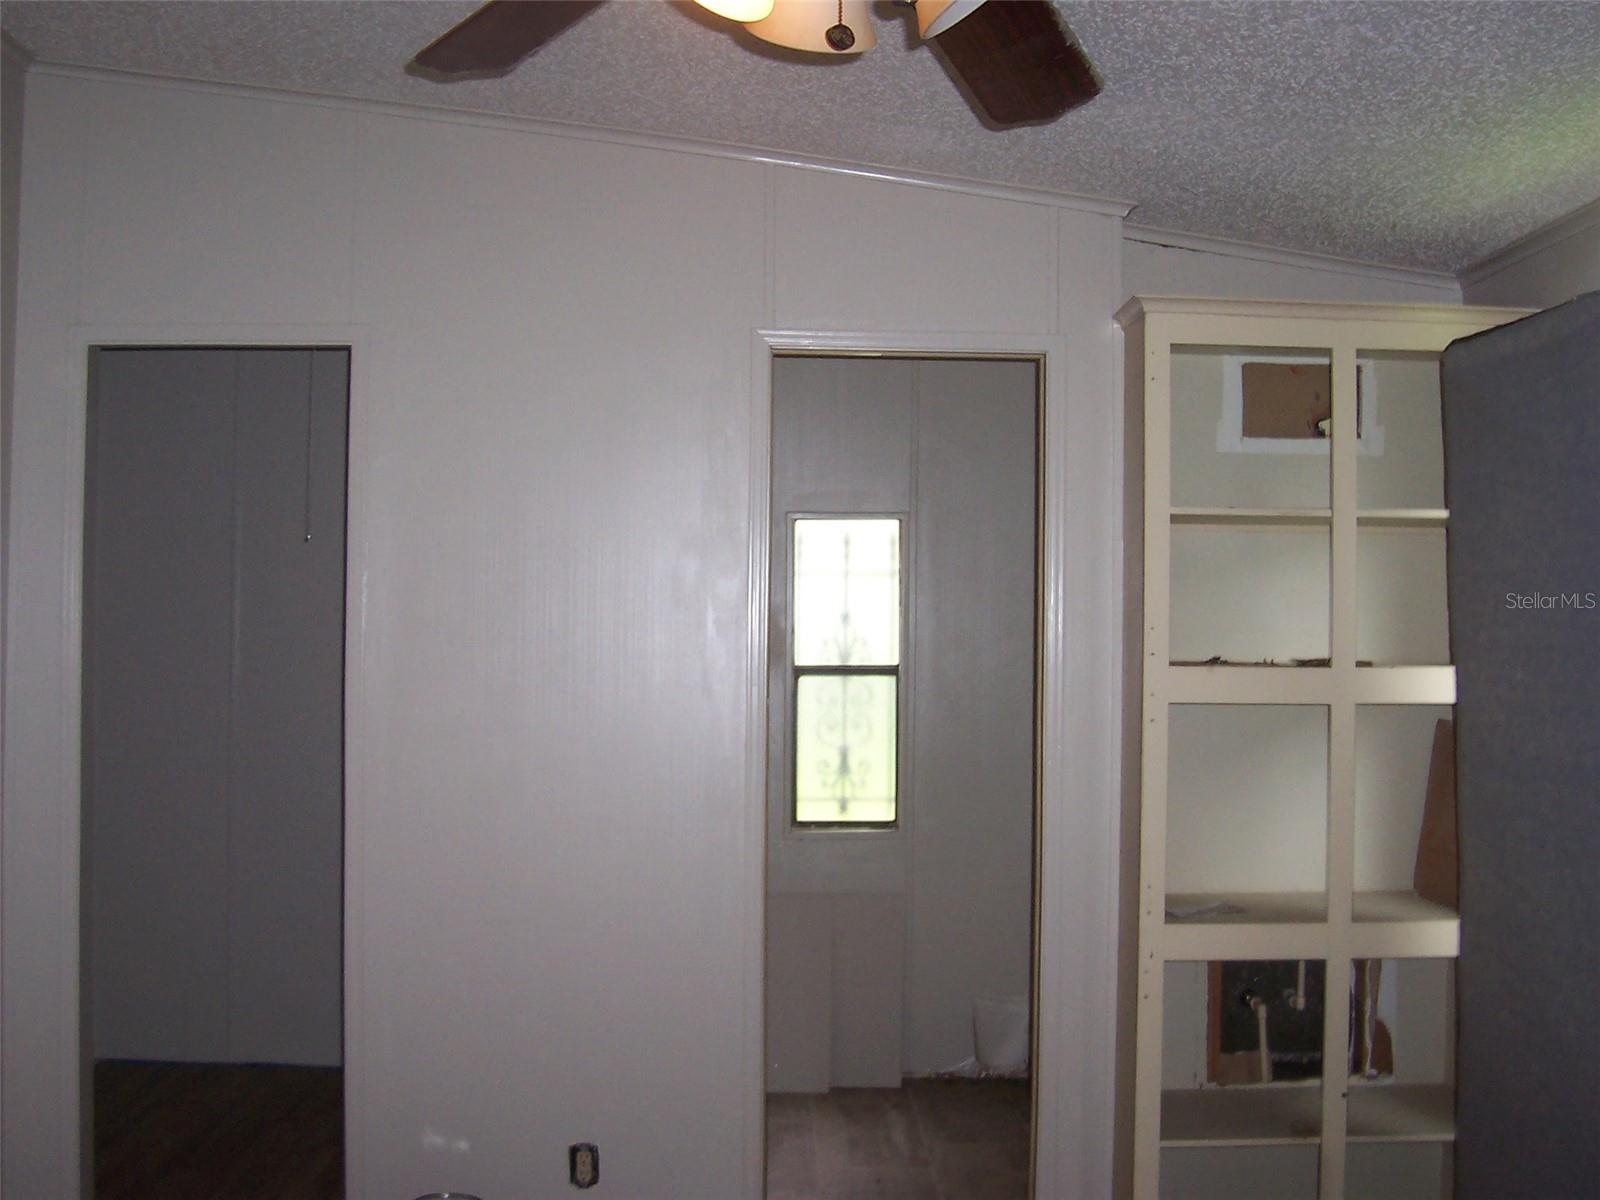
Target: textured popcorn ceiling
[[1425, 134]]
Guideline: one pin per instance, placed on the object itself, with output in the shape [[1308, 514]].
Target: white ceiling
[[1426, 134]]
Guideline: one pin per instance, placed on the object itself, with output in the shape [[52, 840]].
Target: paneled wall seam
[[361, 129], [1055, 275], [769, 266], [80, 266]]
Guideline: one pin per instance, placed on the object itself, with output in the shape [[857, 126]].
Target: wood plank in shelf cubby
[[1401, 1112], [1269, 925], [1259, 518], [1248, 683], [1404, 518], [1254, 1115], [1402, 925], [1406, 685], [1264, 683], [1400, 906], [1255, 908]]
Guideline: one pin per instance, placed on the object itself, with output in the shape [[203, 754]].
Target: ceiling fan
[[1016, 60]]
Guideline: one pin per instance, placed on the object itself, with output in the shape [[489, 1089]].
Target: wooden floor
[[179, 1131], [928, 1140]]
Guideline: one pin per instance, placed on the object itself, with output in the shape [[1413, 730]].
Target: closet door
[[213, 682], [158, 639], [1522, 433], [285, 797]]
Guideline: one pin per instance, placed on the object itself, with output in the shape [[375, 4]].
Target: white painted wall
[[213, 682], [1543, 269], [554, 858]]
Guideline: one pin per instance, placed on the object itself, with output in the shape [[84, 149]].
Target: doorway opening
[[903, 676], [211, 888]]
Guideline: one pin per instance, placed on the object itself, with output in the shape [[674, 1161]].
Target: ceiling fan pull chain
[[840, 36]]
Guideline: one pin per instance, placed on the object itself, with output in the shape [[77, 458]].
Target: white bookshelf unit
[[1282, 691]]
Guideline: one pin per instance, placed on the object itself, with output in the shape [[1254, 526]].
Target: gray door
[[213, 685]]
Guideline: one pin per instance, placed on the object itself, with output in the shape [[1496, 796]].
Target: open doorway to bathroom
[[213, 817], [902, 680]]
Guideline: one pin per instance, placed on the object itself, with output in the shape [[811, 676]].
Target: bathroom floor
[[927, 1140]]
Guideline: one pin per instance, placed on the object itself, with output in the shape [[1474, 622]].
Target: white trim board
[[1579, 220], [1172, 239]]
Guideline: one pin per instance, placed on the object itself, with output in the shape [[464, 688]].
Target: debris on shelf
[[1205, 908], [1216, 660]]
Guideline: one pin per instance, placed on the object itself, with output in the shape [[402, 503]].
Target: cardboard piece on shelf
[[1285, 400], [1435, 876]]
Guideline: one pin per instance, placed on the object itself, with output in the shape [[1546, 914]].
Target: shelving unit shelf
[[1211, 892], [1269, 1115], [1258, 518], [1290, 1114]]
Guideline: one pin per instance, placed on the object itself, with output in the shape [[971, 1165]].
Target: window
[[844, 655]]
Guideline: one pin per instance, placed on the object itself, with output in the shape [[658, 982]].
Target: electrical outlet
[[583, 1164]]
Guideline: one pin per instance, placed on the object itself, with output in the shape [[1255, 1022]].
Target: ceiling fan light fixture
[[935, 16], [743, 11], [818, 26]]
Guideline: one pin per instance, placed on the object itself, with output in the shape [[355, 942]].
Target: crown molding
[[1137, 307], [1579, 220], [1308, 260], [594, 133]]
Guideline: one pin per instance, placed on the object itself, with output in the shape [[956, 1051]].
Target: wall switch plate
[[583, 1164]]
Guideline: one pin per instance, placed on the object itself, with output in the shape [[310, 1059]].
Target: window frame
[[794, 672]]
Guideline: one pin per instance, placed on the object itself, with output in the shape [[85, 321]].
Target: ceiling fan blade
[[500, 35], [1018, 62]]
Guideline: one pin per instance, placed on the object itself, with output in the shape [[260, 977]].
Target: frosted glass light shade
[[738, 10], [935, 16], [804, 25]]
